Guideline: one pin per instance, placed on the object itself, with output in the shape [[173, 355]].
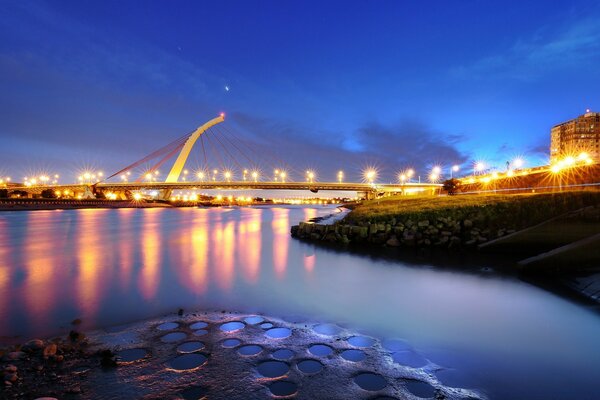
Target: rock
[[10, 377], [46, 398], [75, 390], [373, 229], [33, 345], [423, 223], [470, 242], [10, 369], [427, 242], [50, 350], [467, 223], [446, 233], [76, 321], [393, 241], [7, 383], [15, 355]]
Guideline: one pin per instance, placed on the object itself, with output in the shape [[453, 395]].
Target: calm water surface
[[500, 335]]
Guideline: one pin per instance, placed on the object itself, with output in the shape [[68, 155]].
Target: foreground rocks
[[228, 356]]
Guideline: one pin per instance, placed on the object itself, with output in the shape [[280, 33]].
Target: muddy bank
[[222, 356]]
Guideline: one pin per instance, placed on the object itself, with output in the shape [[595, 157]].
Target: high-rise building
[[578, 135]]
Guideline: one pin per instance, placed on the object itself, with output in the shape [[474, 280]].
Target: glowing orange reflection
[[89, 262], [281, 240], [223, 245], [43, 269], [249, 243], [309, 263], [149, 273], [192, 270], [126, 246]]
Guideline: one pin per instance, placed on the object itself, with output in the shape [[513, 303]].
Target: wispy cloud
[[574, 45], [391, 148]]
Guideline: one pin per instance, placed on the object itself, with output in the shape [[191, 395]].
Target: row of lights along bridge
[[369, 175]]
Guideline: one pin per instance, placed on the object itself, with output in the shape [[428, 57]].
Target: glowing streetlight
[[454, 169], [517, 162], [227, 175], [340, 176], [478, 167], [370, 175], [200, 175], [255, 176], [283, 175], [433, 177], [310, 176], [402, 178], [244, 173]]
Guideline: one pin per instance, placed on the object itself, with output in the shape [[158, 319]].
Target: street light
[[370, 175], [255, 176], [340, 176], [478, 167], [310, 176], [410, 173], [517, 162], [454, 168]]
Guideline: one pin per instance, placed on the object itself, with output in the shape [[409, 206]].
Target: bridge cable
[[228, 153], [174, 144]]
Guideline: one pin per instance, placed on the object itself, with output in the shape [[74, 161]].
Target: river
[[502, 336]]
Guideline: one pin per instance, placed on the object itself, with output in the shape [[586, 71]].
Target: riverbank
[[239, 356], [460, 223], [550, 235]]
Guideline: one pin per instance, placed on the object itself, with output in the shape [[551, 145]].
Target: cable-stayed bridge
[[223, 161]]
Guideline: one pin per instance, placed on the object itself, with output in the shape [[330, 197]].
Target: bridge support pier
[[368, 195], [165, 194]]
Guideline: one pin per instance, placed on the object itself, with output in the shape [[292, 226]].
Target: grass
[[514, 210]]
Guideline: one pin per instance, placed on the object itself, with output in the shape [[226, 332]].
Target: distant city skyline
[[329, 86]]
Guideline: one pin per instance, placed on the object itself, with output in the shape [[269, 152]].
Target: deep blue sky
[[330, 85]]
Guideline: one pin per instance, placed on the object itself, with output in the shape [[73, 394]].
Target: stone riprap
[[443, 232]]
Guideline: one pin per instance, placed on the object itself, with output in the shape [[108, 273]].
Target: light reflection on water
[[114, 266]]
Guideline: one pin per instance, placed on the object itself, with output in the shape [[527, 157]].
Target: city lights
[[310, 176], [370, 175], [518, 162]]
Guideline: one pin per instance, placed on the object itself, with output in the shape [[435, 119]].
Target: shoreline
[[241, 356], [502, 231]]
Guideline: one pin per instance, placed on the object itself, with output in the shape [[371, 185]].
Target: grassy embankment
[[448, 221]]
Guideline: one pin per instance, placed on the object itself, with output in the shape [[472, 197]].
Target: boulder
[[393, 241]]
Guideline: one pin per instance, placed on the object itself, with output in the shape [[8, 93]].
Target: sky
[[335, 85]]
